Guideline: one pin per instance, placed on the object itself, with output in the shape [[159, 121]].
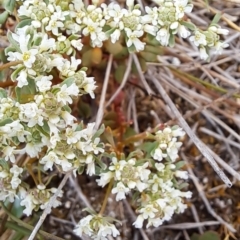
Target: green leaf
[[171, 40], [68, 81], [149, 146], [45, 130], [24, 23], [67, 108], [85, 110], [179, 165], [119, 73], [129, 132], [189, 25], [150, 39], [113, 48], [3, 93], [13, 42], [3, 17], [123, 54], [216, 18], [26, 93], [5, 121], [16, 72], [9, 5], [99, 131], [102, 165], [108, 135], [17, 209], [210, 235], [4, 164], [148, 56]]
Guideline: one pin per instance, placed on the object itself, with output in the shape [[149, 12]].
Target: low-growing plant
[[49, 51]]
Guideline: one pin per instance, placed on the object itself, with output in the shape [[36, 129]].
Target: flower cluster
[[97, 227], [38, 198], [112, 22], [167, 144], [10, 182], [36, 120]]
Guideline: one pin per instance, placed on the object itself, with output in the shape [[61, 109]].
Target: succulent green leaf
[[13, 42], [24, 23], [26, 93], [85, 110], [3, 17], [189, 25], [3, 93], [216, 18], [5, 121], [119, 73], [68, 81], [9, 5]]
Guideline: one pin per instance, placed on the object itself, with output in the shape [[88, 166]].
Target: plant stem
[[9, 64], [104, 204]]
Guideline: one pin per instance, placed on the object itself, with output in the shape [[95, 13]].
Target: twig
[[124, 80], [47, 210], [9, 64], [103, 94], [196, 218], [133, 217], [144, 82], [219, 137], [203, 197], [80, 193], [190, 133]]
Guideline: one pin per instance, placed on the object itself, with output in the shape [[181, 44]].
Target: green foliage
[[3, 17], [209, 235], [26, 93], [119, 72], [9, 5]]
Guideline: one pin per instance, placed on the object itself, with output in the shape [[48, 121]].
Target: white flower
[[48, 160], [198, 39], [68, 68], [182, 7], [72, 135], [218, 30], [28, 203], [44, 83], [90, 165], [181, 174], [105, 178], [15, 182], [133, 39], [139, 221], [77, 44], [106, 230], [183, 32], [163, 36], [83, 227], [65, 92], [219, 47], [121, 190], [54, 24], [156, 222], [16, 170], [148, 211], [117, 167], [172, 149], [28, 56], [115, 35], [203, 53], [157, 154]]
